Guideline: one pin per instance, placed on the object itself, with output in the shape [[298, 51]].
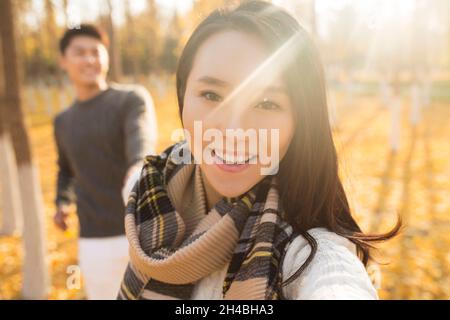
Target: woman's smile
[[231, 162]]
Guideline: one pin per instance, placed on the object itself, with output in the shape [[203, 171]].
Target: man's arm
[[64, 188], [140, 126], [140, 132]]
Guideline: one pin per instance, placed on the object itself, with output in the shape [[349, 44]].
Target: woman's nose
[[230, 116]]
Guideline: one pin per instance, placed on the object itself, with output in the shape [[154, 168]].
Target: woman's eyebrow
[[276, 89], [213, 81]]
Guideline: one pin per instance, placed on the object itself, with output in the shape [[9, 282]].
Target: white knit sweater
[[334, 273]]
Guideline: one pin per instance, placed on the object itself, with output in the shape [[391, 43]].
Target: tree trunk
[[116, 65], [10, 209], [66, 12], [35, 273], [153, 36], [131, 41]]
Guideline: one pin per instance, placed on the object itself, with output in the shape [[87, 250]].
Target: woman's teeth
[[232, 159]]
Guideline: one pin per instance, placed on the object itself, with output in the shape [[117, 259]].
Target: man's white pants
[[103, 262]]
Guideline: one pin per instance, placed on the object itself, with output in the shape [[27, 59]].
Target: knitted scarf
[[171, 250]]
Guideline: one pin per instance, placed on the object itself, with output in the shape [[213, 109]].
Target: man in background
[[101, 140]]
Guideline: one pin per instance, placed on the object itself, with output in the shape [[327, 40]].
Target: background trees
[[388, 78], [35, 273]]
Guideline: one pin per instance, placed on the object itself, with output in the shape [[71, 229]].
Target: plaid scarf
[[170, 251]]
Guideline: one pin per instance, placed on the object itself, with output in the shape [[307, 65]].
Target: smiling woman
[[221, 98], [203, 231]]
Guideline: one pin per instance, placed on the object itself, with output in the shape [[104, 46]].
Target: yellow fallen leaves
[[414, 182]]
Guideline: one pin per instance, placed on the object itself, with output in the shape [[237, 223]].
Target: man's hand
[[60, 217]]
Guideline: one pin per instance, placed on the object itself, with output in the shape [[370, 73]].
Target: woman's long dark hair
[[310, 189]]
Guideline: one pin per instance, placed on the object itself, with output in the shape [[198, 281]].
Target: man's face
[[85, 60]]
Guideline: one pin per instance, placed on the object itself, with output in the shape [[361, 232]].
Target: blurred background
[[388, 71]]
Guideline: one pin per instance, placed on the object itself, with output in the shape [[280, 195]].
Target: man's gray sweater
[[98, 140]]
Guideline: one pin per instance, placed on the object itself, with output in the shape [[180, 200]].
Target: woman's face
[[236, 93]]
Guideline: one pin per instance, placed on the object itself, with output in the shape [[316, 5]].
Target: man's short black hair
[[82, 30]]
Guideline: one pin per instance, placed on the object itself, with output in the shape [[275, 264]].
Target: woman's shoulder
[[329, 240], [335, 272]]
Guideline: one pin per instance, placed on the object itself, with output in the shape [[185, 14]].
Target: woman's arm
[[334, 273]]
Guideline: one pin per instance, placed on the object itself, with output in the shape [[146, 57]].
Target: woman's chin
[[231, 188], [231, 184]]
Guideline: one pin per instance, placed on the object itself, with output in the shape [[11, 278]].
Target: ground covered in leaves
[[413, 182]]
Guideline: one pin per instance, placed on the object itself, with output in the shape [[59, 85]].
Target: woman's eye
[[209, 95], [268, 105]]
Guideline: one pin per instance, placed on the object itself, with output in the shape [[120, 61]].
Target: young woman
[[222, 228]]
